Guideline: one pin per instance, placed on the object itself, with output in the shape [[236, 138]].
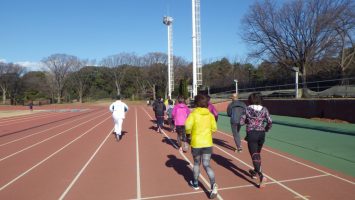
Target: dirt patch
[[330, 120], [12, 113]]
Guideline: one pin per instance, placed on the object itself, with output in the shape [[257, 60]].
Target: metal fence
[[333, 88]]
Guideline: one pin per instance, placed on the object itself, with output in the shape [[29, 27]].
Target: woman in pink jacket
[[180, 113]]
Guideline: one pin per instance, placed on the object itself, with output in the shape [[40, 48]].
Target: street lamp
[[236, 86], [296, 70]]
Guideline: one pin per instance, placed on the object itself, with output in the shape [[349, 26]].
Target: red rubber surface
[[74, 155]]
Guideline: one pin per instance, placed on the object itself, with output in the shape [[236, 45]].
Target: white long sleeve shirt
[[118, 109]]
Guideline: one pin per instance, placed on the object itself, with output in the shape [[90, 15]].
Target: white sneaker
[[214, 191]]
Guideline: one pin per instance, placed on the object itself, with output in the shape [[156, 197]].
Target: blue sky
[[93, 29]]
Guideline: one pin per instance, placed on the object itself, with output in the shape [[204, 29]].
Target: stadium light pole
[[236, 86], [196, 47], [168, 21], [296, 70]]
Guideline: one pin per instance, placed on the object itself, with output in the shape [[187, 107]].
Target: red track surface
[[73, 155]]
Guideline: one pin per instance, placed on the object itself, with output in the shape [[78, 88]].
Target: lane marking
[[50, 156], [36, 133], [186, 159], [23, 117], [26, 120], [269, 177], [298, 162], [232, 187], [137, 159], [40, 142], [84, 167]]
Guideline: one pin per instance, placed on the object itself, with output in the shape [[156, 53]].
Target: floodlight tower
[[196, 47], [169, 22]]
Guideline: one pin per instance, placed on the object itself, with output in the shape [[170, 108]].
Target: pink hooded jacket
[[213, 110], [180, 113]]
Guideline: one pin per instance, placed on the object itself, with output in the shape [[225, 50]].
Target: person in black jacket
[[235, 110], [159, 110]]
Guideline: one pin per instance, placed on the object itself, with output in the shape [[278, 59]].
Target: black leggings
[[256, 140]]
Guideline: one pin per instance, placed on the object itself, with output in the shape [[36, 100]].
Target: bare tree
[[9, 74], [296, 34], [156, 71], [345, 27], [80, 77], [59, 67], [119, 63]]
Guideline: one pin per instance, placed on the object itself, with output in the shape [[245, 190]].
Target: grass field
[[328, 144]]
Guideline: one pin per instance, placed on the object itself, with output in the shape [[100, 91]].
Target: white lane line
[[186, 159], [21, 121], [50, 156], [84, 167], [23, 117], [298, 162], [269, 177], [232, 187], [40, 142], [33, 134], [137, 159]]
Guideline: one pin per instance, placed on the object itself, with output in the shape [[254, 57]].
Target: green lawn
[[328, 144]]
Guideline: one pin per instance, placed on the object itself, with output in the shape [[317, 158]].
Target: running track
[[73, 155]]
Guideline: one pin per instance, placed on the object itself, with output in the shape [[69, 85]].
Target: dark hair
[[181, 99], [201, 101], [118, 97], [255, 99], [170, 102]]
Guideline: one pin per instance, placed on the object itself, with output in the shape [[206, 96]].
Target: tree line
[[313, 36]]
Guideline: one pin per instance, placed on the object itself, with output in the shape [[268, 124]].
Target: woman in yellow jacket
[[201, 124]]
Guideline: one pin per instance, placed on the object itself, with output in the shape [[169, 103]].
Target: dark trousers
[[236, 135], [160, 121], [181, 135], [255, 140]]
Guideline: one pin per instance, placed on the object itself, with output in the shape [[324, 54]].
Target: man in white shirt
[[118, 109]]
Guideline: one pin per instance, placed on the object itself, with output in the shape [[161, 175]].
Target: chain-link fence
[[334, 88]]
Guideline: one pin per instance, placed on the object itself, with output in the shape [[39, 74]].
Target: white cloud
[[3, 60], [31, 66]]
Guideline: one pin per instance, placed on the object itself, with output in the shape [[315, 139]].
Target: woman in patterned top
[[258, 121]]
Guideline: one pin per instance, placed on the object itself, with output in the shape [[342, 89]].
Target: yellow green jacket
[[201, 124]]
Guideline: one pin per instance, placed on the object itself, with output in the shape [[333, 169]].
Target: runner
[[235, 110], [159, 110], [180, 113], [201, 124], [170, 117], [212, 109], [255, 116], [118, 109]]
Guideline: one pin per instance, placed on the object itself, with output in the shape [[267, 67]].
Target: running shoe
[[117, 137], [193, 185], [262, 180], [214, 191], [252, 174]]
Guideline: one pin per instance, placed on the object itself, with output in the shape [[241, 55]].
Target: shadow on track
[[223, 143], [228, 164], [182, 168]]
